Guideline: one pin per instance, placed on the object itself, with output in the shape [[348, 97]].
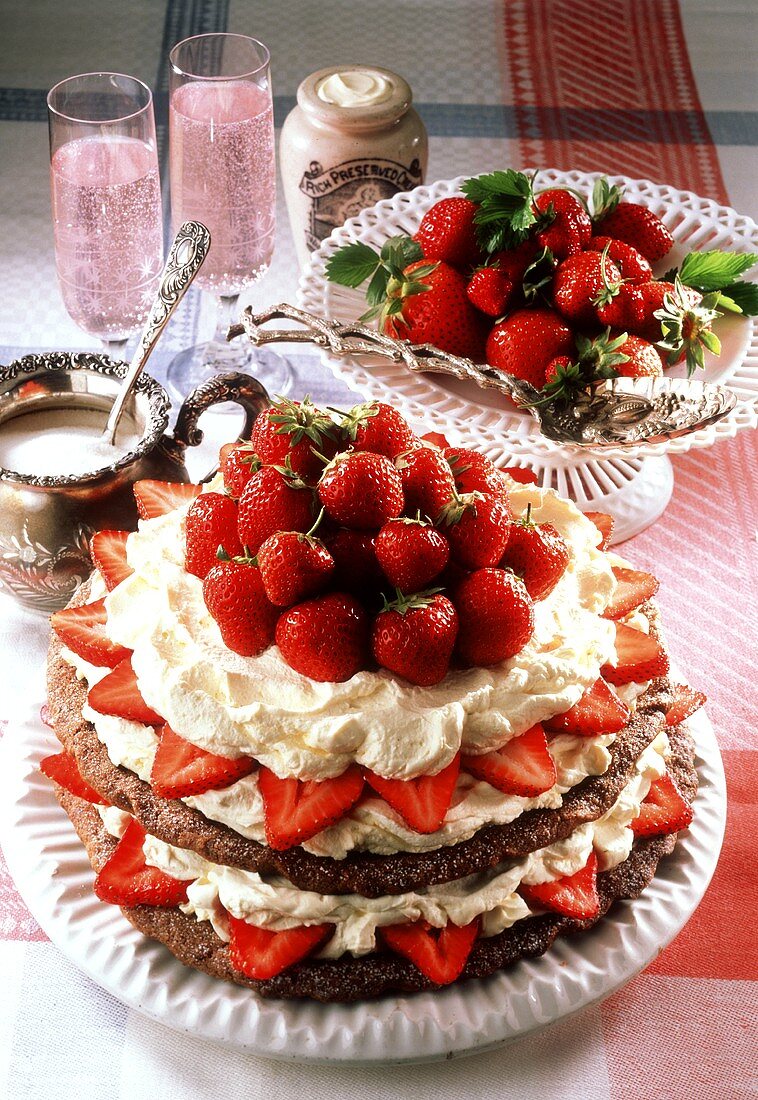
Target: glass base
[[196, 365]]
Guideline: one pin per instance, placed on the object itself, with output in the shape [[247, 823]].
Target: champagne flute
[[106, 199], [223, 173]]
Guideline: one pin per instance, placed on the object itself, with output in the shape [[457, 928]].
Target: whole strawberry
[[427, 480], [376, 427], [537, 554], [414, 637], [490, 290], [629, 222], [475, 473], [234, 595], [447, 232], [294, 432], [325, 638], [513, 262], [294, 566], [477, 528], [361, 489], [411, 553], [238, 462], [685, 304], [581, 283], [356, 569], [495, 617], [410, 297], [211, 522], [439, 314], [272, 501], [632, 264], [525, 342], [622, 308], [642, 359], [570, 229]]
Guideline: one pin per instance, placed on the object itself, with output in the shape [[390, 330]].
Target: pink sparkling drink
[[107, 221], [223, 174]]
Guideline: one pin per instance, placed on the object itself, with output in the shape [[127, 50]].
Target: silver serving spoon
[[619, 412], [188, 250]]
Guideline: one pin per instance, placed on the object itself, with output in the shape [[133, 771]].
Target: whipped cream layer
[[261, 707], [372, 825], [274, 903]]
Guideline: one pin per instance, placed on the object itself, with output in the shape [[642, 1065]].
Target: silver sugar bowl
[[46, 521]]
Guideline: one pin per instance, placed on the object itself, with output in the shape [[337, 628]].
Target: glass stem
[[116, 349], [225, 314]]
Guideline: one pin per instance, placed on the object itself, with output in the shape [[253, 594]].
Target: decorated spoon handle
[[357, 339], [185, 257]]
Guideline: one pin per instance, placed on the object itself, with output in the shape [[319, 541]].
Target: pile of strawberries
[[546, 286], [353, 544]]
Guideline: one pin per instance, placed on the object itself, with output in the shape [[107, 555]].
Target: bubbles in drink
[[223, 174], [108, 232]]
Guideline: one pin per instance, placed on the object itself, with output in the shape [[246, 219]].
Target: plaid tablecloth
[[649, 88]]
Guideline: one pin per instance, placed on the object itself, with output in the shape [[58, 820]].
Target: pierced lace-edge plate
[[53, 875], [483, 417]]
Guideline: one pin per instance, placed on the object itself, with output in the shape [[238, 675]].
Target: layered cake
[[365, 714]]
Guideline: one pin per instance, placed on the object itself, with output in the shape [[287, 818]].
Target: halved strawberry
[[181, 768], [63, 770], [663, 811], [598, 711], [294, 810], [686, 702], [604, 524], [639, 657], [80, 628], [522, 474], [126, 878], [523, 766], [633, 587], [156, 498], [118, 694], [439, 953], [423, 802], [572, 896], [260, 953], [108, 550]]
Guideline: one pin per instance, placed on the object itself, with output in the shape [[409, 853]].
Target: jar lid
[[354, 97]]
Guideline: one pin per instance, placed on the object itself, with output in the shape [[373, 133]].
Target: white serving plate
[[483, 417], [54, 877]]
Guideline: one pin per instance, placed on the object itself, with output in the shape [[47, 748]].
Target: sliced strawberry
[[633, 587], [294, 810], [126, 878], [156, 498], [573, 896], [81, 629], [663, 811], [598, 711], [604, 524], [260, 953], [639, 656], [437, 439], [118, 694], [686, 702], [524, 766], [522, 474], [181, 768], [423, 802], [63, 770], [439, 953], [108, 550]]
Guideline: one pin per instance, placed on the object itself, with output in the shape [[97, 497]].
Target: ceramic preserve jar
[[352, 140]]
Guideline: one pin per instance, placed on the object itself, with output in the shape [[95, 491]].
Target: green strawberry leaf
[[376, 292], [352, 265], [714, 270], [398, 252], [505, 213], [740, 297], [605, 198]]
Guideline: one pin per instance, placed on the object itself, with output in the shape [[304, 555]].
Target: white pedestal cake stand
[[633, 485]]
